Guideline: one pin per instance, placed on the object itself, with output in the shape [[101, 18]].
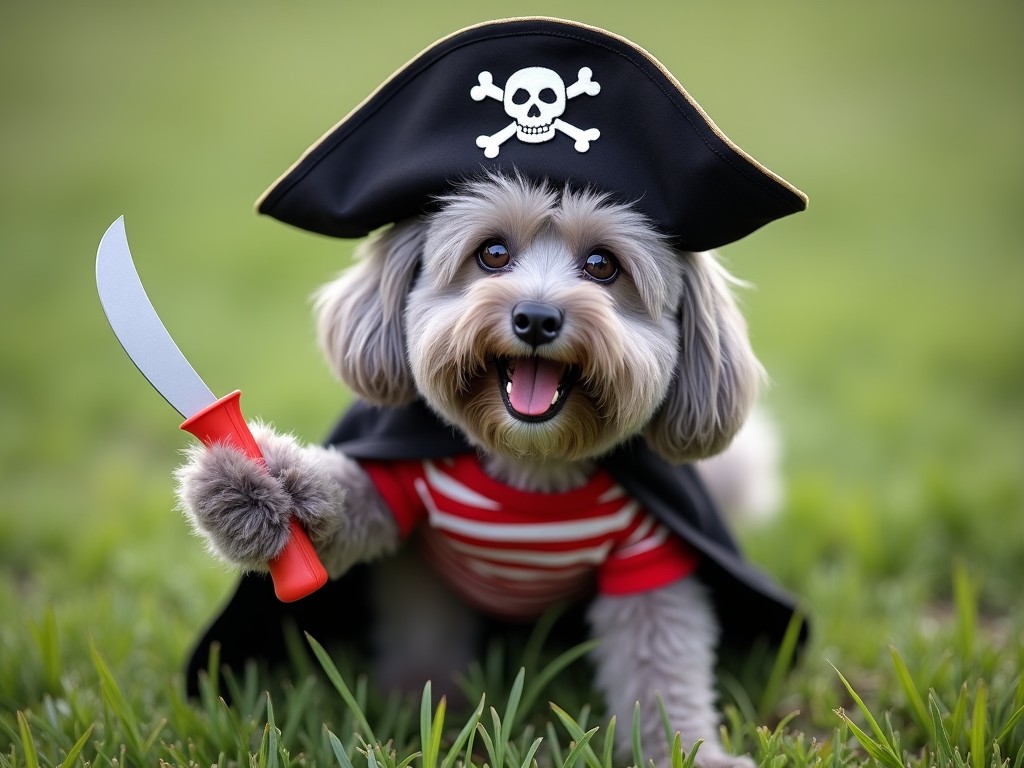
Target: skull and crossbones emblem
[[535, 99]]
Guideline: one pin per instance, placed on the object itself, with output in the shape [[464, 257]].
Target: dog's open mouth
[[534, 388]]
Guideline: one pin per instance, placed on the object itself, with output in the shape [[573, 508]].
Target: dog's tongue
[[534, 384]]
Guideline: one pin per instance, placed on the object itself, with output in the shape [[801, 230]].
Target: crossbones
[[535, 98]]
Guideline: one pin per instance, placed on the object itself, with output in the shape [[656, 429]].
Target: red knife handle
[[296, 570]]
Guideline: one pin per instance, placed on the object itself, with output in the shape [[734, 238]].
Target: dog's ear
[[717, 375], [359, 316]]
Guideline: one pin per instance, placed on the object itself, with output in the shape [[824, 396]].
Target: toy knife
[[296, 571]]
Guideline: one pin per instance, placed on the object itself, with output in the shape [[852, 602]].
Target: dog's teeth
[[508, 387], [554, 399]]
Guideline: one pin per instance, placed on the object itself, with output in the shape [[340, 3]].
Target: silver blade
[[138, 327]]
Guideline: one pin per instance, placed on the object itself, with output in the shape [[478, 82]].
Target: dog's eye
[[601, 266], [493, 255]]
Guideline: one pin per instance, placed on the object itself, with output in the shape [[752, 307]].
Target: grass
[[961, 708], [888, 316]]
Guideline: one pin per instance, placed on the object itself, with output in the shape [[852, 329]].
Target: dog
[[548, 325], [544, 347]]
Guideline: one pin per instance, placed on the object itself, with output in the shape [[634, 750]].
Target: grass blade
[[576, 733], [339, 750], [426, 726], [339, 684], [910, 691], [76, 750], [681, 759], [273, 746], [677, 750], [554, 745], [464, 735], [114, 698], [435, 734], [965, 600], [580, 749], [978, 726], [781, 665], [371, 759], [472, 736], [431, 726], [666, 722], [209, 685], [528, 760], [49, 649], [512, 708], [635, 741], [942, 743], [261, 756], [296, 707], [488, 744], [1011, 723], [154, 734], [609, 744], [958, 723], [499, 742], [890, 756], [838, 742], [878, 752], [27, 744], [691, 756]]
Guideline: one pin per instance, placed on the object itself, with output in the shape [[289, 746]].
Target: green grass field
[[889, 317]]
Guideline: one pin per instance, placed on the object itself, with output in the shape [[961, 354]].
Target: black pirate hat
[[548, 99]]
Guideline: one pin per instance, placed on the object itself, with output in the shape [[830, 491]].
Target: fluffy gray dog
[[548, 326]]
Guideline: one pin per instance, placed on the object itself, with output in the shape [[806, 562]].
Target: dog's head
[[544, 323]]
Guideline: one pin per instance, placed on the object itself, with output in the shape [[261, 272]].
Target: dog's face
[[544, 324]]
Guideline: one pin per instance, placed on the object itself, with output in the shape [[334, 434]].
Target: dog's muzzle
[[534, 388]]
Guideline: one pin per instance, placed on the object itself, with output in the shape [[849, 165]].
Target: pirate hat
[[548, 99]]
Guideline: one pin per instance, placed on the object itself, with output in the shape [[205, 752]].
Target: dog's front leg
[[663, 643], [243, 510]]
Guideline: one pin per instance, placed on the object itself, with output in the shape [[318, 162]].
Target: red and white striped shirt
[[514, 553]]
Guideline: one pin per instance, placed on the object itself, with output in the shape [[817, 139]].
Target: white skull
[[534, 97]]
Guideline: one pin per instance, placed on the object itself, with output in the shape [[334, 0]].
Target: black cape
[[750, 606]]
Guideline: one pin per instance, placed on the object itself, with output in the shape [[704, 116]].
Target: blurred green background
[[889, 315]]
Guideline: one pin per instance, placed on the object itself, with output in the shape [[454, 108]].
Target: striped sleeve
[[651, 556], [395, 481]]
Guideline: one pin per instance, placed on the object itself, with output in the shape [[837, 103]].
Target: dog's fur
[[662, 351]]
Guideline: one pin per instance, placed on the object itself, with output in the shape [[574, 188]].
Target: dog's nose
[[536, 322]]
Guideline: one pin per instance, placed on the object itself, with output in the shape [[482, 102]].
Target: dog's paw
[[243, 509]]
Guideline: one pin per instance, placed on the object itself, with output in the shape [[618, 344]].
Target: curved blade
[[138, 327]]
